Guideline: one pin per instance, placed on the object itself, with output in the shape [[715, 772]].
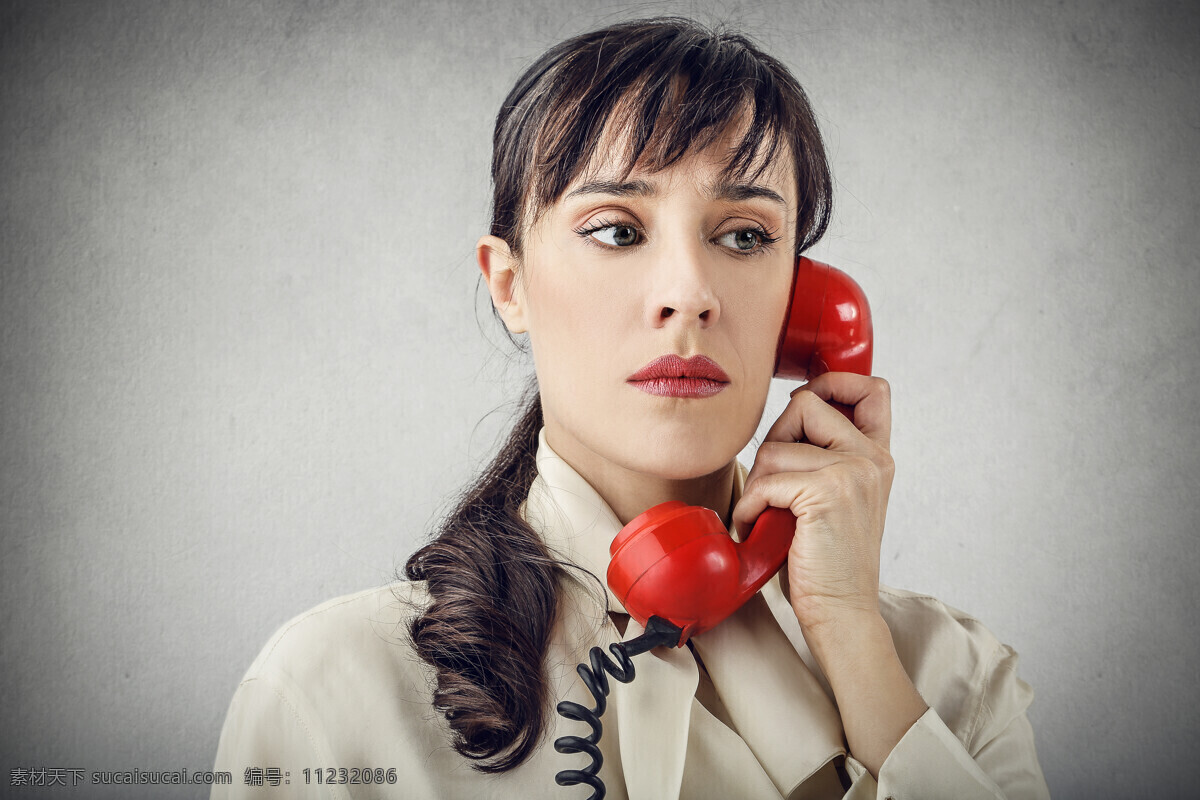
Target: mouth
[[674, 376]]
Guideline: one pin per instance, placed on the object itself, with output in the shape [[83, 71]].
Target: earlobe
[[498, 266]]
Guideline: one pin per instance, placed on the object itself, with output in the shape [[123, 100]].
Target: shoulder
[[919, 620], [962, 670], [340, 685], [345, 664], [347, 628]]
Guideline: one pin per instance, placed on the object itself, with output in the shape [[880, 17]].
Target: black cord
[[658, 632]]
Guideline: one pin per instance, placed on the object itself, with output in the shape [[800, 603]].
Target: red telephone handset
[[674, 567], [827, 327], [676, 561]]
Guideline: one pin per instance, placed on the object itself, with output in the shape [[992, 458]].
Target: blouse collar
[[574, 520], [774, 700]]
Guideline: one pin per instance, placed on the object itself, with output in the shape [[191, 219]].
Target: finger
[[800, 492], [775, 457], [870, 397], [779, 490], [810, 419]]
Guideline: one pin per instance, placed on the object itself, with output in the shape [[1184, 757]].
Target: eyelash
[[765, 240]]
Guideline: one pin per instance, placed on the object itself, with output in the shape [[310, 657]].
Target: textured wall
[[245, 360]]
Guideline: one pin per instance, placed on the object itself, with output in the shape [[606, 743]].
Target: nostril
[[704, 316], [666, 312]]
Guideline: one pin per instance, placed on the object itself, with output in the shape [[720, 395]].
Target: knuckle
[[863, 469], [885, 463], [845, 479], [754, 489], [857, 475], [769, 454], [809, 400], [881, 455]]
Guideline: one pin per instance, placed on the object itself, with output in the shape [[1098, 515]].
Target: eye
[[615, 235], [747, 240]]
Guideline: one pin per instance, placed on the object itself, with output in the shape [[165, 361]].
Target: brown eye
[[617, 235]]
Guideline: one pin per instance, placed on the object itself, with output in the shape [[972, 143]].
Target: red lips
[[672, 376], [672, 366]]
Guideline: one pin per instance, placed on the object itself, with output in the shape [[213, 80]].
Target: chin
[[674, 456]]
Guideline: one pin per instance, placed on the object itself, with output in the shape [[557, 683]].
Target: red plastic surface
[[828, 325], [677, 562]]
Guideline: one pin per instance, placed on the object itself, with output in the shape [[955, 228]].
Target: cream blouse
[[337, 705]]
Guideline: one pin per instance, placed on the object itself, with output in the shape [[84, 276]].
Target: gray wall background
[[245, 361]]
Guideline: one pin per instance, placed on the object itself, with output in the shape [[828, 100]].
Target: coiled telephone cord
[[595, 678]]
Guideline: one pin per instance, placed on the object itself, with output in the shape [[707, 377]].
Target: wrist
[[847, 637], [831, 618], [877, 701]]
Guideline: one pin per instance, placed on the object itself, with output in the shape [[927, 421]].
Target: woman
[[654, 183]]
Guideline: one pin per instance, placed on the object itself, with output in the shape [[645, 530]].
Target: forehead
[[711, 167], [707, 170]]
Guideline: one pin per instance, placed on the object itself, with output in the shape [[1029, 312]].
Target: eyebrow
[[727, 190], [623, 189], [722, 190]]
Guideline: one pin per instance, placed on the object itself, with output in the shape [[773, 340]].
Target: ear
[[498, 266]]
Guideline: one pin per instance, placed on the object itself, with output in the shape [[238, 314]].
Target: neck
[[629, 492]]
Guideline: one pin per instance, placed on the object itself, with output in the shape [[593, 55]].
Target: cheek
[[759, 309], [574, 319]]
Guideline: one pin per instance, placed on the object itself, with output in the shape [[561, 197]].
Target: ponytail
[[493, 588]]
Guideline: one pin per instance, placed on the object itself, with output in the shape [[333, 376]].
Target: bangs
[[647, 94], [683, 99]]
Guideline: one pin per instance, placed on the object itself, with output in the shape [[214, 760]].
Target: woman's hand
[[835, 476]]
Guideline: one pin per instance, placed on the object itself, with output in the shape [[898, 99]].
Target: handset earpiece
[[827, 327]]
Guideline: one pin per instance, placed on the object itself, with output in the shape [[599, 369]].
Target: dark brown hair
[[672, 86]]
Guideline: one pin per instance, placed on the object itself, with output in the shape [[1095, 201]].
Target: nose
[[682, 289]]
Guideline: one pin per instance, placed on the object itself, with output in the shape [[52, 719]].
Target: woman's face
[[619, 273]]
